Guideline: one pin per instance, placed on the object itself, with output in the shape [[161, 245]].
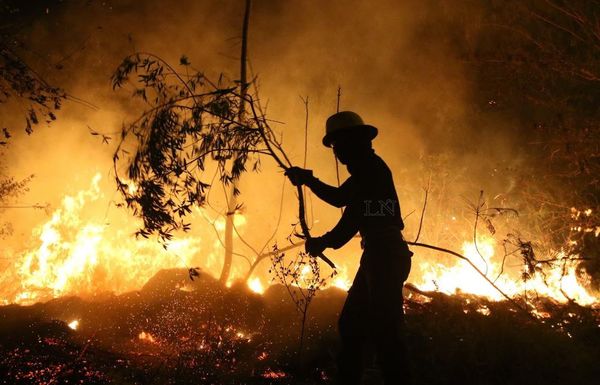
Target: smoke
[[398, 64]]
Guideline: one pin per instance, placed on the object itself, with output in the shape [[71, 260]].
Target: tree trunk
[[232, 202]]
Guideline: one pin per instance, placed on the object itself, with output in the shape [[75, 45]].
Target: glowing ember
[[143, 336], [540, 314], [256, 285], [74, 324], [273, 374], [484, 310]]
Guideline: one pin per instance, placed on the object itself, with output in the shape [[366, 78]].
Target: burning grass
[[212, 334]]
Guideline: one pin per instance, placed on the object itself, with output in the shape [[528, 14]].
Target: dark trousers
[[373, 313]]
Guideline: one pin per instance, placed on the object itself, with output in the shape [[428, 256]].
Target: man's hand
[[299, 176], [315, 246]]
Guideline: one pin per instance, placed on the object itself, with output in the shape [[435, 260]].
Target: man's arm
[[335, 196], [345, 229]]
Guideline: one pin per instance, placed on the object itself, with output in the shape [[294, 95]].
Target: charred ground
[[177, 331]]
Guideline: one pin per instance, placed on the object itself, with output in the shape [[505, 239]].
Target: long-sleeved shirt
[[369, 197]]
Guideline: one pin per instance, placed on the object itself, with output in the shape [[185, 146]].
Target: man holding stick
[[373, 309]]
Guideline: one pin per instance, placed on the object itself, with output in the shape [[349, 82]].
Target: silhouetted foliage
[[10, 188], [302, 278], [18, 81], [191, 122]]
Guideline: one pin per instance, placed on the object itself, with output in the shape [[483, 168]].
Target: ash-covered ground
[[175, 331]]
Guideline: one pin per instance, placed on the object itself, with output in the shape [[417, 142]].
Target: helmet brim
[[370, 132]]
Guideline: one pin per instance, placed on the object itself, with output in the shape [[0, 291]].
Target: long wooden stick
[[304, 226], [301, 206]]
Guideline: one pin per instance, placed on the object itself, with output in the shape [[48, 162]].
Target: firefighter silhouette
[[372, 313]]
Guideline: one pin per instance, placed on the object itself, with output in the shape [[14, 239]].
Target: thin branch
[[422, 213], [173, 71], [477, 214], [279, 215], [337, 165], [212, 223], [33, 206], [573, 16], [484, 276], [562, 291], [230, 212], [305, 102], [556, 25], [272, 254], [301, 208]]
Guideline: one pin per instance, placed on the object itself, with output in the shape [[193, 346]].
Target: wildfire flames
[[460, 277], [73, 255]]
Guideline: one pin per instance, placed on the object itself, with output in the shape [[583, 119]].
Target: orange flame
[[85, 257], [461, 277], [75, 255]]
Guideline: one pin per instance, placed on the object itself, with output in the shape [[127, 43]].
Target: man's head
[[349, 136], [351, 147]]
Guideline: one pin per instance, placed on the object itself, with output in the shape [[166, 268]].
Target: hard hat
[[346, 122]]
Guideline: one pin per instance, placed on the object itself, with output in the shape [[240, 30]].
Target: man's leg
[[353, 332], [388, 326], [390, 344]]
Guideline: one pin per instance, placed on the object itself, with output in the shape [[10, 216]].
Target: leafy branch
[[192, 124]]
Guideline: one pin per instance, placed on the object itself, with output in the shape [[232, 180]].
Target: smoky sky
[[399, 64]]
